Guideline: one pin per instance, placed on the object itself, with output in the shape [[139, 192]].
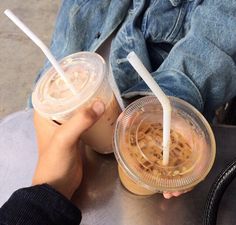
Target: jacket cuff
[[39, 204], [173, 83]]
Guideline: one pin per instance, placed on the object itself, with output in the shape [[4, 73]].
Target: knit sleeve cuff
[[39, 204]]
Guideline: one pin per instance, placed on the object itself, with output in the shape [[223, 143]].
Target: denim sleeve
[[84, 26], [39, 205], [201, 68]]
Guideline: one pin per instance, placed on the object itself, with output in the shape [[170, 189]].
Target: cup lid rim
[[61, 107], [179, 184]]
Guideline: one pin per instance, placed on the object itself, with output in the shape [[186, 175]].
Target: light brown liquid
[[100, 135], [144, 155], [131, 185]]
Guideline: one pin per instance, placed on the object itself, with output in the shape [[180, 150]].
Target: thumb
[[83, 119]]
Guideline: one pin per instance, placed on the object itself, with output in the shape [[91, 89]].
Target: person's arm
[[39, 205], [201, 67], [57, 176]]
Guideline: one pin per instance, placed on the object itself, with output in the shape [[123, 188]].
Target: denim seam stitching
[[191, 82], [172, 32], [144, 28], [77, 11]]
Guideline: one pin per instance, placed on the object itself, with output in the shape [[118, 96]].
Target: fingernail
[[176, 194], [98, 108], [167, 195]]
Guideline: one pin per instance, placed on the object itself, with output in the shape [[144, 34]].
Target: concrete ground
[[20, 59]]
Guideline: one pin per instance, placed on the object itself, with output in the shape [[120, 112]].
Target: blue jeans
[[189, 46]]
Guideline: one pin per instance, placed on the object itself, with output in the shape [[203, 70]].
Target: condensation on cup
[[88, 73], [138, 147]]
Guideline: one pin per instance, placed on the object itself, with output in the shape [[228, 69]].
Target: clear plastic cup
[[89, 75], [138, 147]]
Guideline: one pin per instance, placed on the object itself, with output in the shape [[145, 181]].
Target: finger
[[44, 131], [177, 193], [167, 195], [70, 131]]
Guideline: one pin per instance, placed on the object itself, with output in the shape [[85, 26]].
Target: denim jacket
[[189, 46]]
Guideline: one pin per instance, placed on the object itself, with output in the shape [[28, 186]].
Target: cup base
[[131, 186]]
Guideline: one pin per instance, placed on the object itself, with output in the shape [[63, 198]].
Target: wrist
[[63, 189]]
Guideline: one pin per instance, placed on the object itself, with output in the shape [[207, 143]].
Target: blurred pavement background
[[20, 59]]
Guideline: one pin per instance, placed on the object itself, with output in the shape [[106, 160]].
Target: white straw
[[42, 46], [164, 100]]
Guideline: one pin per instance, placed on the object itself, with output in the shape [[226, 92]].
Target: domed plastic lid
[[138, 145], [52, 98]]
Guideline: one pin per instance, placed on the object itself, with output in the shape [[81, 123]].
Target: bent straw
[[164, 100], [42, 46]]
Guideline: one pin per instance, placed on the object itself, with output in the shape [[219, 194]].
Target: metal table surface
[[101, 197]]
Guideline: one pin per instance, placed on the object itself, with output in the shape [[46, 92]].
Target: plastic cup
[[138, 147], [88, 73]]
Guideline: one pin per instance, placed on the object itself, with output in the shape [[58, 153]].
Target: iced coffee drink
[[87, 72], [138, 147], [101, 132]]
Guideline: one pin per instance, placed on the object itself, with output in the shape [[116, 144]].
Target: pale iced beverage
[[138, 147], [100, 134], [88, 74]]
